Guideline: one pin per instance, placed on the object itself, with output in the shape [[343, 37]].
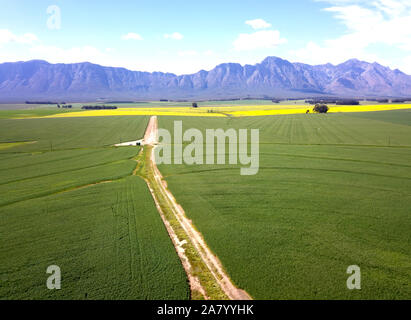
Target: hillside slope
[[273, 77]]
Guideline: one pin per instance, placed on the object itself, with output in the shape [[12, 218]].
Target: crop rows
[[78, 206], [331, 192]]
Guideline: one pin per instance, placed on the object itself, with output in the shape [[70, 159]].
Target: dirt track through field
[[209, 259]]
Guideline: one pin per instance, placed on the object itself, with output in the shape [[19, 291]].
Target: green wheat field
[[332, 191]]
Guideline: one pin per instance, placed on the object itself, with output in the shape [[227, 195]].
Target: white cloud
[[209, 53], [174, 36], [187, 53], [6, 36], [258, 24], [379, 22], [258, 40], [132, 36], [333, 52]]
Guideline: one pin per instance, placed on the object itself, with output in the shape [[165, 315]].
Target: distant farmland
[[332, 191]]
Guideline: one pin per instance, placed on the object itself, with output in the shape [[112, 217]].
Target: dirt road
[[151, 134], [209, 259]]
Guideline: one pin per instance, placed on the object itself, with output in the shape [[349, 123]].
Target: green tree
[[321, 108]]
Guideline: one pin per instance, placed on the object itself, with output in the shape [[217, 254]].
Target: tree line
[[43, 102], [99, 108], [341, 102]]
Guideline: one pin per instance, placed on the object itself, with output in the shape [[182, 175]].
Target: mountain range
[[272, 78]]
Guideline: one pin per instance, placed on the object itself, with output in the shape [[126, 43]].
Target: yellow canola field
[[333, 109], [243, 111], [138, 112]]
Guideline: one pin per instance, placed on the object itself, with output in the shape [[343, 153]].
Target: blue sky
[[186, 36]]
